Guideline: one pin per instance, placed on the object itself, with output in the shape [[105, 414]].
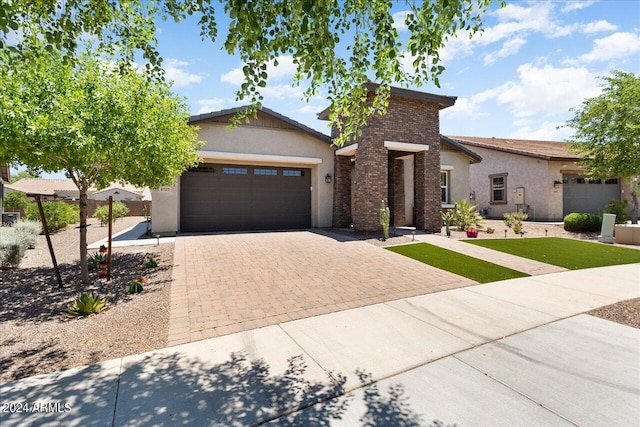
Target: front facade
[[270, 173], [541, 178]]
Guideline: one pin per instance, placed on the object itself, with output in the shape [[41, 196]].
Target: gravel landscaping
[[37, 337]]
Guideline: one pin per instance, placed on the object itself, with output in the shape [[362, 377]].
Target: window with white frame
[[444, 187], [498, 188]]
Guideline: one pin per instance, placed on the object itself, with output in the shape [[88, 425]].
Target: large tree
[[97, 123], [313, 32], [607, 131]]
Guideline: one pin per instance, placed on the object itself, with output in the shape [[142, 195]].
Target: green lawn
[[454, 262], [567, 253]]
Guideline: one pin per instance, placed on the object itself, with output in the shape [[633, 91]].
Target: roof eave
[[475, 157]]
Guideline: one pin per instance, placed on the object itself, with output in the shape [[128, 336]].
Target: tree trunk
[[84, 268]]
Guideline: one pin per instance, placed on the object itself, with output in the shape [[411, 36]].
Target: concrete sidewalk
[[131, 237], [517, 352]]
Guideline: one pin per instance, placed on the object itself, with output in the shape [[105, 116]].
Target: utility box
[[9, 218], [518, 196]]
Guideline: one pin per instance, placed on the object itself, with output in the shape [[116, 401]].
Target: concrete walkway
[[131, 237], [516, 352]]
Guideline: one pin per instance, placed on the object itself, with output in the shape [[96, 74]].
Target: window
[[498, 188], [444, 187], [266, 172], [611, 181], [580, 180], [202, 169], [595, 181], [234, 171], [288, 172]]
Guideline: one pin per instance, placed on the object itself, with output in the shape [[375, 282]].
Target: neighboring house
[[276, 173], [541, 178], [65, 189], [5, 176]]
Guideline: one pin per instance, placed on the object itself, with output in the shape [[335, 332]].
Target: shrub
[[582, 222], [58, 214], [85, 305], [12, 247], [94, 260], [514, 220], [119, 210], [617, 208], [465, 216], [16, 201], [29, 230]]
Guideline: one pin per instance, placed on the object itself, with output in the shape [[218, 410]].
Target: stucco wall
[[543, 201], [282, 145], [458, 166]]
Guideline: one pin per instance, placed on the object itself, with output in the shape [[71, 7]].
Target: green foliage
[[385, 217], [619, 209], [607, 128], [568, 253], [13, 246], [119, 210], [473, 268], [94, 260], [85, 305], [337, 45], [29, 231], [16, 201], [465, 215], [582, 222], [58, 214], [149, 261], [22, 175], [514, 220]]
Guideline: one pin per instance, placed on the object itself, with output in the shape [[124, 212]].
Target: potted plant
[[472, 232]]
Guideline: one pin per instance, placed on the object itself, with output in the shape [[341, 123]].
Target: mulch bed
[[37, 337]]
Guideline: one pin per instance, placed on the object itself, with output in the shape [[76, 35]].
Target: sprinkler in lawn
[[545, 232], [505, 234]]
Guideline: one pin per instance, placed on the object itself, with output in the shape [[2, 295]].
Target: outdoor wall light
[[328, 178], [472, 194], [556, 183]]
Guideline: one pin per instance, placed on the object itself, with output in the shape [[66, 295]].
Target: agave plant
[[94, 260], [85, 305]]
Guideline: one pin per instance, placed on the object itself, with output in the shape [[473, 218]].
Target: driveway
[[227, 283]]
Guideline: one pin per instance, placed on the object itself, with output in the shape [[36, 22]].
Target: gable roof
[[546, 150], [43, 187], [443, 101], [232, 111], [475, 157]]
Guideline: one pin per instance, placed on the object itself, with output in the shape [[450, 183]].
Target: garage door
[[580, 194], [232, 197]]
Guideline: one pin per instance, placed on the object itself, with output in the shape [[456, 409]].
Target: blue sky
[[518, 79]]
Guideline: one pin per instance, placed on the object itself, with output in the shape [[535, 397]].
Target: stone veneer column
[[427, 189], [370, 186], [342, 191]]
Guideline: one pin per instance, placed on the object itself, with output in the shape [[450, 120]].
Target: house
[[66, 189], [5, 176], [542, 178], [276, 173]]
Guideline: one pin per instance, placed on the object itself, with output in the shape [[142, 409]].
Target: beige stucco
[[542, 200], [457, 164], [257, 145]]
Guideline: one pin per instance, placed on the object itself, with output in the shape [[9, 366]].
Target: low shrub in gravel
[[582, 222], [58, 214], [12, 247], [118, 210], [30, 231]]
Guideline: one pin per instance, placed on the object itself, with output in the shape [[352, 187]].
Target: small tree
[[97, 123], [16, 201], [607, 131]]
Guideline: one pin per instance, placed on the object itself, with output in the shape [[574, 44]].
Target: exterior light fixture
[[556, 183], [328, 178]]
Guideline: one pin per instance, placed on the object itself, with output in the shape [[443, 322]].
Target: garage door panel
[[232, 197], [580, 194]]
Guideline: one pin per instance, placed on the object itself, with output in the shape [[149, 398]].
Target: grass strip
[[457, 263], [568, 253]]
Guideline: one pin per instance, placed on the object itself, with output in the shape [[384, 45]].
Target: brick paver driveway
[[226, 283]]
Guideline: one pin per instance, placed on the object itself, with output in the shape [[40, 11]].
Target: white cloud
[[285, 70], [617, 45], [545, 131], [282, 92], [509, 48], [598, 26], [577, 5], [174, 71], [463, 108], [215, 104], [398, 20]]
